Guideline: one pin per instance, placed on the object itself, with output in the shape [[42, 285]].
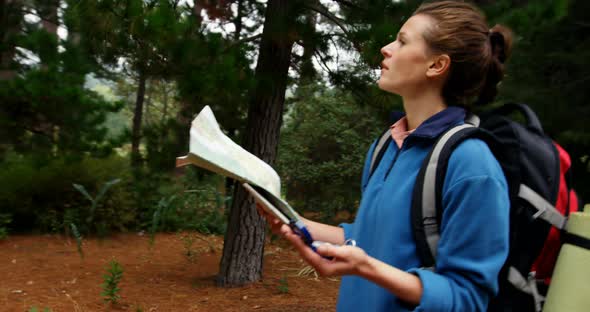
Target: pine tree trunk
[[238, 20], [241, 262], [49, 18], [137, 118], [50, 22], [229, 182], [308, 73], [10, 25]]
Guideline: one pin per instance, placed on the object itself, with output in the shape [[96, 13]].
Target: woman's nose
[[385, 52]]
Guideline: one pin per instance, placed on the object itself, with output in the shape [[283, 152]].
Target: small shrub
[[283, 286], [188, 240], [110, 285], [39, 194], [5, 220], [191, 203]]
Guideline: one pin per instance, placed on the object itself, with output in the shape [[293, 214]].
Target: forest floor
[[176, 273]]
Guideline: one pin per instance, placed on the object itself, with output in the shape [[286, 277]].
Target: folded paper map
[[211, 149]]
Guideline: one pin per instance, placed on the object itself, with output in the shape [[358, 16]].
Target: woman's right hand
[[277, 227]]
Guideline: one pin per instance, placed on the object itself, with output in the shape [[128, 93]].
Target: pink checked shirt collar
[[399, 131]]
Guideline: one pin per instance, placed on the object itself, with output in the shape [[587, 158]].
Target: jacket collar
[[438, 123]]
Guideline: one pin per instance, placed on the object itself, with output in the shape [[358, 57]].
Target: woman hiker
[[444, 59]]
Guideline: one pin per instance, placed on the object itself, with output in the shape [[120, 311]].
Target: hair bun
[[501, 41]]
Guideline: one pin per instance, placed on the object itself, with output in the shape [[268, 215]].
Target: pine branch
[[319, 56], [321, 9], [350, 5], [243, 40]]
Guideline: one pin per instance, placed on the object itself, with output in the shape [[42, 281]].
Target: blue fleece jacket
[[474, 229]]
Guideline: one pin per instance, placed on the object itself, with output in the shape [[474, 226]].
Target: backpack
[[541, 197]]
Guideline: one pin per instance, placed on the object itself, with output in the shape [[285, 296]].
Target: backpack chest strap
[[545, 210]]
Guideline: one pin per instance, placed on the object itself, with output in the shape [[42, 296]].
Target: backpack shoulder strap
[[379, 150], [531, 120], [382, 143], [426, 211]]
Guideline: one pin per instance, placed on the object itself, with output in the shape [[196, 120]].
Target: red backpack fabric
[[545, 263]]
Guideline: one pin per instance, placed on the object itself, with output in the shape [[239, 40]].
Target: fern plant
[[162, 208], [78, 237], [110, 285], [95, 200]]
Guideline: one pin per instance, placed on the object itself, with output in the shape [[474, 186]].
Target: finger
[[322, 265], [298, 243], [293, 238], [285, 230], [274, 221], [332, 251], [305, 251], [261, 210], [280, 229]]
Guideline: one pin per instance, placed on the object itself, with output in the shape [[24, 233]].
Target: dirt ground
[[44, 271]]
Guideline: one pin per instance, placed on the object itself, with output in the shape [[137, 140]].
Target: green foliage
[[110, 285], [35, 309], [95, 201], [45, 108], [322, 149], [39, 194], [283, 286], [212, 221], [154, 227], [78, 238], [188, 240], [192, 202], [33, 114], [5, 220], [164, 41], [163, 205]]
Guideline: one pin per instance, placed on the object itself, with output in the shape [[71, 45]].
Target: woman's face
[[406, 60]]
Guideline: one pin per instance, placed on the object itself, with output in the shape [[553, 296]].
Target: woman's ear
[[439, 66]]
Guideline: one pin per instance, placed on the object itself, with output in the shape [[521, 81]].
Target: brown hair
[[477, 53]]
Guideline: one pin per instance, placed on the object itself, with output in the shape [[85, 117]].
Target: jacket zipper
[[394, 159]]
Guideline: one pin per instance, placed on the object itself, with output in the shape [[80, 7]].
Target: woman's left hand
[[346, 260]]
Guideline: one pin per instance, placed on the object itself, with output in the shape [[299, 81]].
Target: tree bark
[[49, 19], [229, 182], [137, 118], [308, 72], [49, 22], [241, 262], [10, 25], [238, 20]]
